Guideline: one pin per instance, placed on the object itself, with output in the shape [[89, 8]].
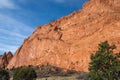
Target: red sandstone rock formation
[[4, 59], [69, 41]]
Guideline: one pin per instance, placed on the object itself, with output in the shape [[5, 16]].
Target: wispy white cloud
[[6, 48], [8, 23], [7, 4], [12, 33]]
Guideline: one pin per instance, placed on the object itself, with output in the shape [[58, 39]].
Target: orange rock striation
[[5, 59], [69, 41]]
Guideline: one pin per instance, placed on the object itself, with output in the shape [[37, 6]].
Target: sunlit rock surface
[[69, 41]]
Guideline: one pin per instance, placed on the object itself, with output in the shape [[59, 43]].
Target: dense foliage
[[24, 73], [105, 64], [4, 75]]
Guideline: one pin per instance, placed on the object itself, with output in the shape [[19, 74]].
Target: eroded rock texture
[[5, 59], [69, 41]]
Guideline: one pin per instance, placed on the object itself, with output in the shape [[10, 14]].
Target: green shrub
[[105, 64], [24, 73], [4, 75]]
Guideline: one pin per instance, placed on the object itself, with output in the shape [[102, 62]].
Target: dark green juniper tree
[[24, 73], [105, 65]]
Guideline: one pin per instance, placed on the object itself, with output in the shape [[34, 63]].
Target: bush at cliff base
[[4, 75], [105, 64], [24, 73]]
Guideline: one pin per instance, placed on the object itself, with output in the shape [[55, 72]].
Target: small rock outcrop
[[5, 59], [69, 41]]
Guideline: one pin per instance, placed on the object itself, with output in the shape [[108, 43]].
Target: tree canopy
[[24, 73], [105, 64]]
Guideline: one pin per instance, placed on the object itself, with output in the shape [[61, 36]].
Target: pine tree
[[24, 73], [105, 65]]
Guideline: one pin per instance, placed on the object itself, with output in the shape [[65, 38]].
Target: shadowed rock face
[[5, 59], [69, 41]]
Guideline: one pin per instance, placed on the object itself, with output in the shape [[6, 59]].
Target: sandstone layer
[[5, 59], [69, 41]]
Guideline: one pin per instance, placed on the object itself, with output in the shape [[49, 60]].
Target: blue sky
[[19, 18]]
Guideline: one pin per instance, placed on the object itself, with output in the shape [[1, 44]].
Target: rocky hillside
[[5, 59], [69, 41]]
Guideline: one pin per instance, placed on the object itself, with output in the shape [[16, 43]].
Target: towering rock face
[[5, 59], [69, 41]]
